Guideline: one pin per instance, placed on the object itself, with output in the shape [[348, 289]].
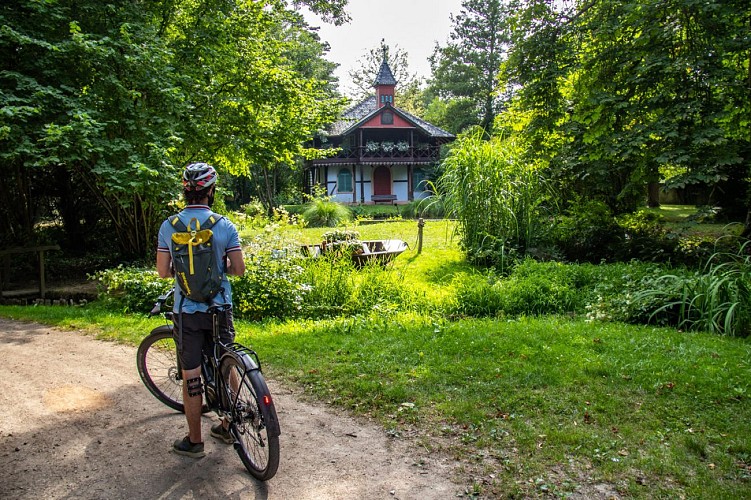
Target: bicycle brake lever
[[160, 302]]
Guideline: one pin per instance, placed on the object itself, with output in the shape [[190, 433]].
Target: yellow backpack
[[194, 259]]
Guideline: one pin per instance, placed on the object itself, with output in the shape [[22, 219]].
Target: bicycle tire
[[258, 449], [158, 368]]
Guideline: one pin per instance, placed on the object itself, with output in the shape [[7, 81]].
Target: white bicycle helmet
[[198, 176]]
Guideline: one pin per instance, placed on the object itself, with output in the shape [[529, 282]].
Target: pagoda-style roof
[[363, 111]]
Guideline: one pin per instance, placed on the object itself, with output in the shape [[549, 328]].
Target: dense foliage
[[612, 97], [102, 102], [466, 69], [622, 94], [283, 282], [279, 283]]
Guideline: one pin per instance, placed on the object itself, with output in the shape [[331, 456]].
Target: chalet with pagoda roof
[[383, 152]]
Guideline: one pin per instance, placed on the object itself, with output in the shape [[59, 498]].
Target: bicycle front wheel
[[159, 369], [258, 449]]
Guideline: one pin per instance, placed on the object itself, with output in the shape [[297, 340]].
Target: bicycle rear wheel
[[158, 367], [258, 449]]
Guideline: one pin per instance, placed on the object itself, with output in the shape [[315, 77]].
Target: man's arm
[[164, 264], [236, 265]]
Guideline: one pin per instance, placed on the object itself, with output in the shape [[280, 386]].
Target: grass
[[430, 271], [673, 213], [679, 218], [626, 404], [533, 407]]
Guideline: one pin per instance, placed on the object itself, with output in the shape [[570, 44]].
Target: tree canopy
[[613, 96], [626, 93], [466, 69], [102, 104]]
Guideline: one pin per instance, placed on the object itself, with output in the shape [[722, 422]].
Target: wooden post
[[420, 225], [41, 273], [6, 264]]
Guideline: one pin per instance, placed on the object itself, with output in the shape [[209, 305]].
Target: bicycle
[[239, 394]]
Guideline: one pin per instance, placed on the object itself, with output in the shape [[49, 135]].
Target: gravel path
[[79, 424]]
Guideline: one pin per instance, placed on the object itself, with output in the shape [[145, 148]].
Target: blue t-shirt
[[225, 240]]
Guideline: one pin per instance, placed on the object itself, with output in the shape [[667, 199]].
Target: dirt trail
[[78, 423]]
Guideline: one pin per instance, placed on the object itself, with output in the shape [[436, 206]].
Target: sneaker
[[185, 447], [218, 431]]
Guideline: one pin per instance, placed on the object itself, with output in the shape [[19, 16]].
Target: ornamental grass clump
[[716, 300], [501, 201], [326, 213]]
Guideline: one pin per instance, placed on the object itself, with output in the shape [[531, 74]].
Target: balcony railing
[[422, 154]]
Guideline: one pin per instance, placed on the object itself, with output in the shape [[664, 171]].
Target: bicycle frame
[[215, 385]]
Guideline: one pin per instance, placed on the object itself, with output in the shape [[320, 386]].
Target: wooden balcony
[[364, 155]]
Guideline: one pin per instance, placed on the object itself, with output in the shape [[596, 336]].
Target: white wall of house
[[362, 179], [332, 185]]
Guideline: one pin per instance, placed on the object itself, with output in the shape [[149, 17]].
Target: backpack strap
[[211, 220], [179, 225]]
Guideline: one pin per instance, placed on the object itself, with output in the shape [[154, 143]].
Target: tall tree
[[629, 88], [466, 69], [273, 183], [82, 86], [362, 77]]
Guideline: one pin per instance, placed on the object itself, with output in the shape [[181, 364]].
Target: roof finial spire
[[385, 76]]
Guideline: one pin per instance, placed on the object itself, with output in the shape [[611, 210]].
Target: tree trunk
[[653, 195]]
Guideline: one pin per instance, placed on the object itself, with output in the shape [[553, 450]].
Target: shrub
[[645, 238], [131, 289], [341, 243], [272, 287], [533, 288], [375, 212], [587, 232], [253, 208], [340, 235]]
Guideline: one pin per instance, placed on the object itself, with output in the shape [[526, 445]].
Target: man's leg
[[193, 401]]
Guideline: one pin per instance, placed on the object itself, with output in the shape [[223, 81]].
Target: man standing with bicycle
[[194, 324]]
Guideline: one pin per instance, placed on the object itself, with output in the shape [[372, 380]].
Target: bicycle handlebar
[[160, 302]]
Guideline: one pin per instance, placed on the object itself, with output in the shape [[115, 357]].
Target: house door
[[381, 181]]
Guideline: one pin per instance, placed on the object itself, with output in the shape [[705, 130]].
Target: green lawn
[[430, 271], [532, 407], [680, 218]]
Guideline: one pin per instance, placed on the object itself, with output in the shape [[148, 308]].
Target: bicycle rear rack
[[241, 349]]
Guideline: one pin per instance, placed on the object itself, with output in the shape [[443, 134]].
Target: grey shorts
[[198, 333]]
